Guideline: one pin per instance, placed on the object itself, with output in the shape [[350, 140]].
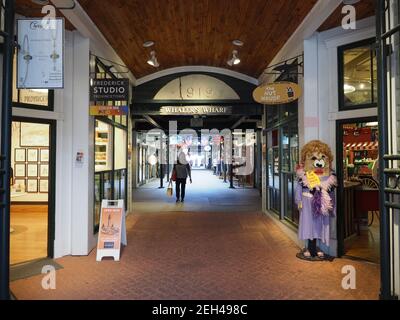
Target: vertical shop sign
[[40, 60], [112, 232]]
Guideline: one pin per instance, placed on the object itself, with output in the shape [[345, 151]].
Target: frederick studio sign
[[194, 110], [277, 93], [109, 90]]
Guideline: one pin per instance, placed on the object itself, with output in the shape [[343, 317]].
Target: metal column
[[387, 155], [5, 157]]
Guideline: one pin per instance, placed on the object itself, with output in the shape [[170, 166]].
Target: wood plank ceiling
[[197, 32], [364, 9], [29, 9]]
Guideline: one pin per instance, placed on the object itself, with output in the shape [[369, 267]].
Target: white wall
[[321, 103], [74, 185]]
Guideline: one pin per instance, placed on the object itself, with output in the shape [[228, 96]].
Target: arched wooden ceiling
[[198, 32]]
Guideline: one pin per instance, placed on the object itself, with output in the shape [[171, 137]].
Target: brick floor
[[183, 255]]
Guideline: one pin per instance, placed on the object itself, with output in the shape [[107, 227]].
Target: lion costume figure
[[315, 197]]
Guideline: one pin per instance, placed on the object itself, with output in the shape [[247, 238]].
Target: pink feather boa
[[323, 187]]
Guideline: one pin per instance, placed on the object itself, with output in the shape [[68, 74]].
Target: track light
[[235, 58], [153, 60]]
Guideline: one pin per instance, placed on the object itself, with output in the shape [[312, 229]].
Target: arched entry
[[196, 102]]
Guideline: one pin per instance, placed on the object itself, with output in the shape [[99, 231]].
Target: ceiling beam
[[152, 121], [239, 122]]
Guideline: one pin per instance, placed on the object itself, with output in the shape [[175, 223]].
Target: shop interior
[[361, 190], [30, 160]]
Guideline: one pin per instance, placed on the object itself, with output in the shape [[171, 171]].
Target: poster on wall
[[40, 62], [112, 230]]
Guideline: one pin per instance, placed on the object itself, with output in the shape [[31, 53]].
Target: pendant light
[[235, 59], [153, 60]]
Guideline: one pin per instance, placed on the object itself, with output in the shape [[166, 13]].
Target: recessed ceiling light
[[238, 43], [148, 44]]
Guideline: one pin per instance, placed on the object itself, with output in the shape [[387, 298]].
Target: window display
[[103, 146], [30, 161]]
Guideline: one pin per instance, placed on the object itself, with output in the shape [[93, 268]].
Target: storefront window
[[103, 146], [31, 98], [357, 75], [283, 153], [111, 149]]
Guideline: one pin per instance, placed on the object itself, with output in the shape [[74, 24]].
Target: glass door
[[290, 158], [273, 170]]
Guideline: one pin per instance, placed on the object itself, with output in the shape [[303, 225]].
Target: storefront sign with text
[[277, 93], [108, 110], [194, 110], [109, 90]]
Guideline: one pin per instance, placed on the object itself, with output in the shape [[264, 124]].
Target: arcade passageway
[[217, 245]]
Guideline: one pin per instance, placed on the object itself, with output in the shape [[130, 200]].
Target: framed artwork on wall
[[20, 155], [32, 186], [44, 170], [34, 135], [44, 155], [19, 185], [44, 186], [33, 155], [19, 170], [32, 170]]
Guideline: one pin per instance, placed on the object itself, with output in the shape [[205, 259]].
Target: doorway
[[358, 190], [32, 190]]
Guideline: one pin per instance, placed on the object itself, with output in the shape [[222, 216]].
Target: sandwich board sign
[[112, 231]]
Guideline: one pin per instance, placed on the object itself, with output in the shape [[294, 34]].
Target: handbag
[[170, 190], [173, 176]]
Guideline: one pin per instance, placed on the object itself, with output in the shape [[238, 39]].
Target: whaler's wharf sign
[[190, 110]]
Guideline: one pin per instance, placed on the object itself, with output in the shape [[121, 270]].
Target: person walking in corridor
[[181, 172]]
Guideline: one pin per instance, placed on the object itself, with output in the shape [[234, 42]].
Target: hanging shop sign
[[112, 232], [277, 93], [40, 60], [109, 90], [195, 110], [108, 110]]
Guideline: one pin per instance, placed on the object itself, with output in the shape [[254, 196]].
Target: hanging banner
[[40, 60], [108, 110], [277, 93], [109, 90], [112, 232]]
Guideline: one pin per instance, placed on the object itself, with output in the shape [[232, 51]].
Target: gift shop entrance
[[31, 191], [358, 191]]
